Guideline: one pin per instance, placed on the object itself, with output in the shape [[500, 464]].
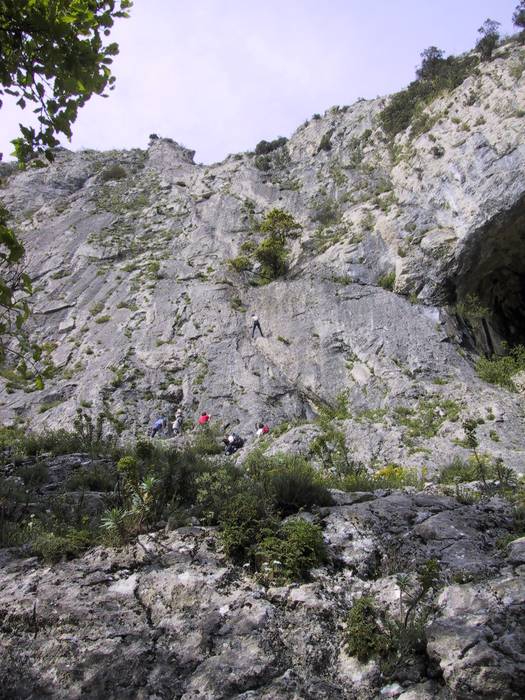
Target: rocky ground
[[171, 617]]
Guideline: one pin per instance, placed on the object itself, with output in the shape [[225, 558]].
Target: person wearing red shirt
[[203, 418]]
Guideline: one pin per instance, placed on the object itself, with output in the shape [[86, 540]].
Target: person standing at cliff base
[[261, 429], [256, 325], [158, 426], [204, 418], [177, 423]]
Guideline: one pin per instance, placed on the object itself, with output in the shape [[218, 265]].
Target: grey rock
[[152, 250], [516, 551], [169, 616], [479, 641]]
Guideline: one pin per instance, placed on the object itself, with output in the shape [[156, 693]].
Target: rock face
[[169, 617], [410, 261], [139, 310]]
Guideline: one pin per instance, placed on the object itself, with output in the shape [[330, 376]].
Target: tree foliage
[[489, 37], [280, 225], [54, 58], [264, 147], [435, 75], [272, 252], [15, 286], [518, 18], [431, 63]]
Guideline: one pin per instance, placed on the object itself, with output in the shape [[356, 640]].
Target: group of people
[[161, 425], [232, 441]]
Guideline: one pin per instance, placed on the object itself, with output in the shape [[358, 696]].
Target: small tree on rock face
[[489, 39], [271, 253], [431, 63], [518, 18], [272, 256], [280, 225]]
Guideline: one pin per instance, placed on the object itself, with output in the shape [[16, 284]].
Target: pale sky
[[220, 75]]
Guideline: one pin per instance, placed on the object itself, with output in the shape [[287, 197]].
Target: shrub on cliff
[[66, 544], [294, 484], [436, 75], [215, 489], [394, 640], [289, 481], [271, 253], [363, 636], [501, 370], [488, 40], [289, 555], [113, 172], [240, 264], [246, 519], [518, 18], [272, 256], [264, 147]]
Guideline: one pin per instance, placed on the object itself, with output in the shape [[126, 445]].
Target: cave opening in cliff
[[489, 284]]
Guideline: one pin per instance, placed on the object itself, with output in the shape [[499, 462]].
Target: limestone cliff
[[140, 310], [408, 265]]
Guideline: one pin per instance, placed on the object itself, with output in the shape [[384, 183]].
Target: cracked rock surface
[[170, 617]]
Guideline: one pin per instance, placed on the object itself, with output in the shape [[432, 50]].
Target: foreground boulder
[[171, 617]]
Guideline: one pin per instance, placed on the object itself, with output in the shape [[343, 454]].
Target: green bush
[[12, 503], [489, 39], [97, 478], [500, 370], [326, 211], [113, 172], [395, 641], [246, 520], [34, 475], [326, 141], [471, 307], [263, 163], [264, 147], [458, 471], [96, 308], [391, 476], [446, 74], [280, 224], [176, 473], [337, 410], [207, 441], [56, 442], [215, 489], [355, 482], [363, 637], [291, 553], [387, 281], [53, 547], [294, 484], [330, 447], [240, 263], [428, 417], [272, 255]]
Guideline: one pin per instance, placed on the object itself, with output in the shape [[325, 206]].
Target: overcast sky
[[220, 75]]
